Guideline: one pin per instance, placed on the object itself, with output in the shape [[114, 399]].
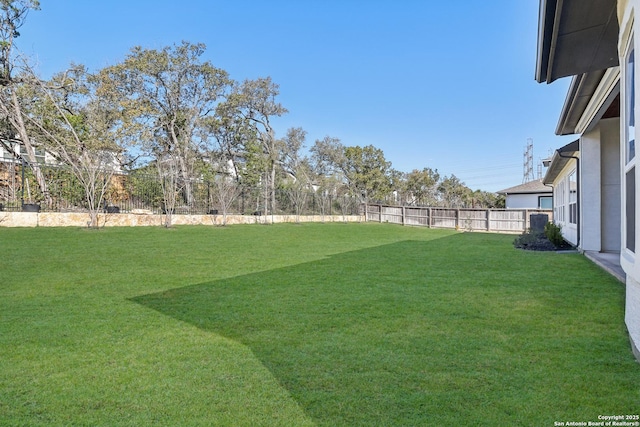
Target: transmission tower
[[527, 165]]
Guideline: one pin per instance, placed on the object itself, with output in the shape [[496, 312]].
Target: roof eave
[[580, 92], [559, 161], [576, 37]]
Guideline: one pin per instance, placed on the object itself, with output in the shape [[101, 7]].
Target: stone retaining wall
[[74, 219]]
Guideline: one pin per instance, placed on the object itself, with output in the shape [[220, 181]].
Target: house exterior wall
[[589, 191], [562, 197], [632, 313], [610, 185], [524, 201], [42, 156], [629, 256], [600, 187]]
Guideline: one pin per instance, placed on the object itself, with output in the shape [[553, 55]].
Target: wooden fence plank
[[496, 220]]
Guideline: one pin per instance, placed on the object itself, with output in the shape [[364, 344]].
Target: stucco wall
[[610, 185], [589, 191], [632, 313], [524, 201], [600, 187], [55, 219], [630, 261]]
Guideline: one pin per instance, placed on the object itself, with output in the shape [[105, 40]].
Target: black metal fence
[[132, 191]]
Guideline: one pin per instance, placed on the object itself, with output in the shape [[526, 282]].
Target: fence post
[[429, 217], [526, 220], [380, 216], [488, 219], [403, 214], [457, 219]]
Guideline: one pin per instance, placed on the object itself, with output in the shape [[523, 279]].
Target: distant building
[[530, 195], [42, 156]]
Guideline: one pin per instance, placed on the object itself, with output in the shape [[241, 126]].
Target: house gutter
[[578, 202]]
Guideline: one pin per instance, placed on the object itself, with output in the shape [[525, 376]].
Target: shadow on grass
[[391, 335]]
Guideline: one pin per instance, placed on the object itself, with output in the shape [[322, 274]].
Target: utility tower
[[527, 165]]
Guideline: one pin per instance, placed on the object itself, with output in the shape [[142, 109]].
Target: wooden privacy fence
[[496, 220]]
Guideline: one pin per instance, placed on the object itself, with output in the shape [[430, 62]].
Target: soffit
[[591, 96], [576, 37]]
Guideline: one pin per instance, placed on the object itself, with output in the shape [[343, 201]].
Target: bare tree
[[226, 191], [76, 126], [168, 171]]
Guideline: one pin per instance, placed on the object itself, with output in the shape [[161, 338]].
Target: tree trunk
[[273, 188], [266, 193], [188, 187], [18, 123]]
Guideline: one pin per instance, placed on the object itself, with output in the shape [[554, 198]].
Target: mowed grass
[[313, 324]]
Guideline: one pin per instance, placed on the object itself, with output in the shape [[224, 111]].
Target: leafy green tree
[[13, 14], [327, 158], [397, 194], [167, 98], [485, 199], [296, 169], [291, 146], [422, 187], [453, 192], [254, 102], [235, 138], [15, 73], [367, 172]]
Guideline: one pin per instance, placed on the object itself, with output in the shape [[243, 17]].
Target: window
[[630, 95], [560, 202], [573, 198], [40, 154], [630, 148], [545, 202], [630, 209]]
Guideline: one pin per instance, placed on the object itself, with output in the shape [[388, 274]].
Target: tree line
[[171, 111]]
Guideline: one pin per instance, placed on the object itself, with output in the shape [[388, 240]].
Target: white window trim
[[626, 42]]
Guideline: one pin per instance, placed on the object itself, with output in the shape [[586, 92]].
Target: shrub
[[525, 239], [554, 234], [533, 241]]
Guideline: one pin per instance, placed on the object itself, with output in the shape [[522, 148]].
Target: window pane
[[546, 202], [630, 209], [630, 95]]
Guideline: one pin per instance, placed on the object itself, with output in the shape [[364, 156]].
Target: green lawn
[[313, 324]]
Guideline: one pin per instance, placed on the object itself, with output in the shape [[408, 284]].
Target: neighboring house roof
[[558, 161], [576, 38], [530, 187]]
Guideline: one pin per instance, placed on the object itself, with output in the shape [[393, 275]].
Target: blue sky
[[446, 85]]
